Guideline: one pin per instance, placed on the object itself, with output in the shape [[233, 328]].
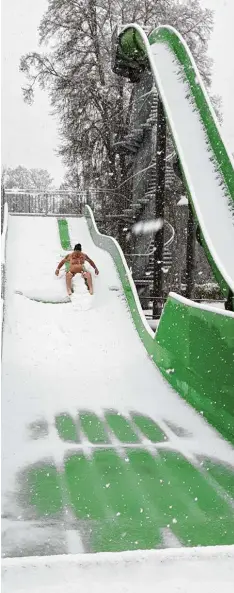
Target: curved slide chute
[[99, 452], [207, 167]]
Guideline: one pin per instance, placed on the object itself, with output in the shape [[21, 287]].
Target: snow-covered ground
[[209, 570]]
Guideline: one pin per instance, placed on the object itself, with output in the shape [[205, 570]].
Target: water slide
[[206, 164], [99, 453], [114, 438]]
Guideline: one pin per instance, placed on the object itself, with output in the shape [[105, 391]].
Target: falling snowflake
[[148, 226]]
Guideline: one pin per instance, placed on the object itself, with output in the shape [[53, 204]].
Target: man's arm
[[91, 262], [61, 264]]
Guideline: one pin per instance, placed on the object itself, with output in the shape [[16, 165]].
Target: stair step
[[128, 211], [148, 197], [165, 256], [131, 148], [144, 201], [165, 253], [165, 262], [164, 265], [166, 259]]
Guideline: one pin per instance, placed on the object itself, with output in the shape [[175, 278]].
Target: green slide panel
[[193, 346], [198, 346], [64, 234]]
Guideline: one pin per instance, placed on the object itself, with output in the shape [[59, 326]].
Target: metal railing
[[3, 264], [44, 203], [69, 203]]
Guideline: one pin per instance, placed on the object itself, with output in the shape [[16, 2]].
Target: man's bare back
[[76, 261]]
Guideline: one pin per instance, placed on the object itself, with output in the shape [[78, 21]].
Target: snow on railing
[[56, 202], [4, 232], [3, 262]]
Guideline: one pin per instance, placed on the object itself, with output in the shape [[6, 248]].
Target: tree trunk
[[159, 209], [190, 254]]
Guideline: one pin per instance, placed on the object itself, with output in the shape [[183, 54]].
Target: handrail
[[169, 241], [59, 193], [4, 233], [3, 263]]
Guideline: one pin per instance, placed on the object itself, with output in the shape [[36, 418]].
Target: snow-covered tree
[[71, 179], [28, 179], [92, 104]]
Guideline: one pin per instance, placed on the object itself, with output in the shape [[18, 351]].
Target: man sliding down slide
[[76, 265]]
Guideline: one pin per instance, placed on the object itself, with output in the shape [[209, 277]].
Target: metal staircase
[[140, 208], [167, 259], [147, 278], [132, 144]]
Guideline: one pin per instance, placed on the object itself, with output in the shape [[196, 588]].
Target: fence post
[[190, 254], [2, 205], [229, 303], [46, 204]]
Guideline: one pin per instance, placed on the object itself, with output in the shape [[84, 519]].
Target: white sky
[[29, 134], [221, 49]]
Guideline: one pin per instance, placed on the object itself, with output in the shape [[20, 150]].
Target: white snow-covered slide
[[207, 167], [65, 370]]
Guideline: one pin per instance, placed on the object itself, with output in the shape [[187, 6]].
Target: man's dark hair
[[78, 247]]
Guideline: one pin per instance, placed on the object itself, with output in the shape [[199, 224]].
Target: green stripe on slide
[[224, 475], [66, 428], [121, 427], [93, 427], [43, 490], [86, 492], [64, 234], [149, 429]]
